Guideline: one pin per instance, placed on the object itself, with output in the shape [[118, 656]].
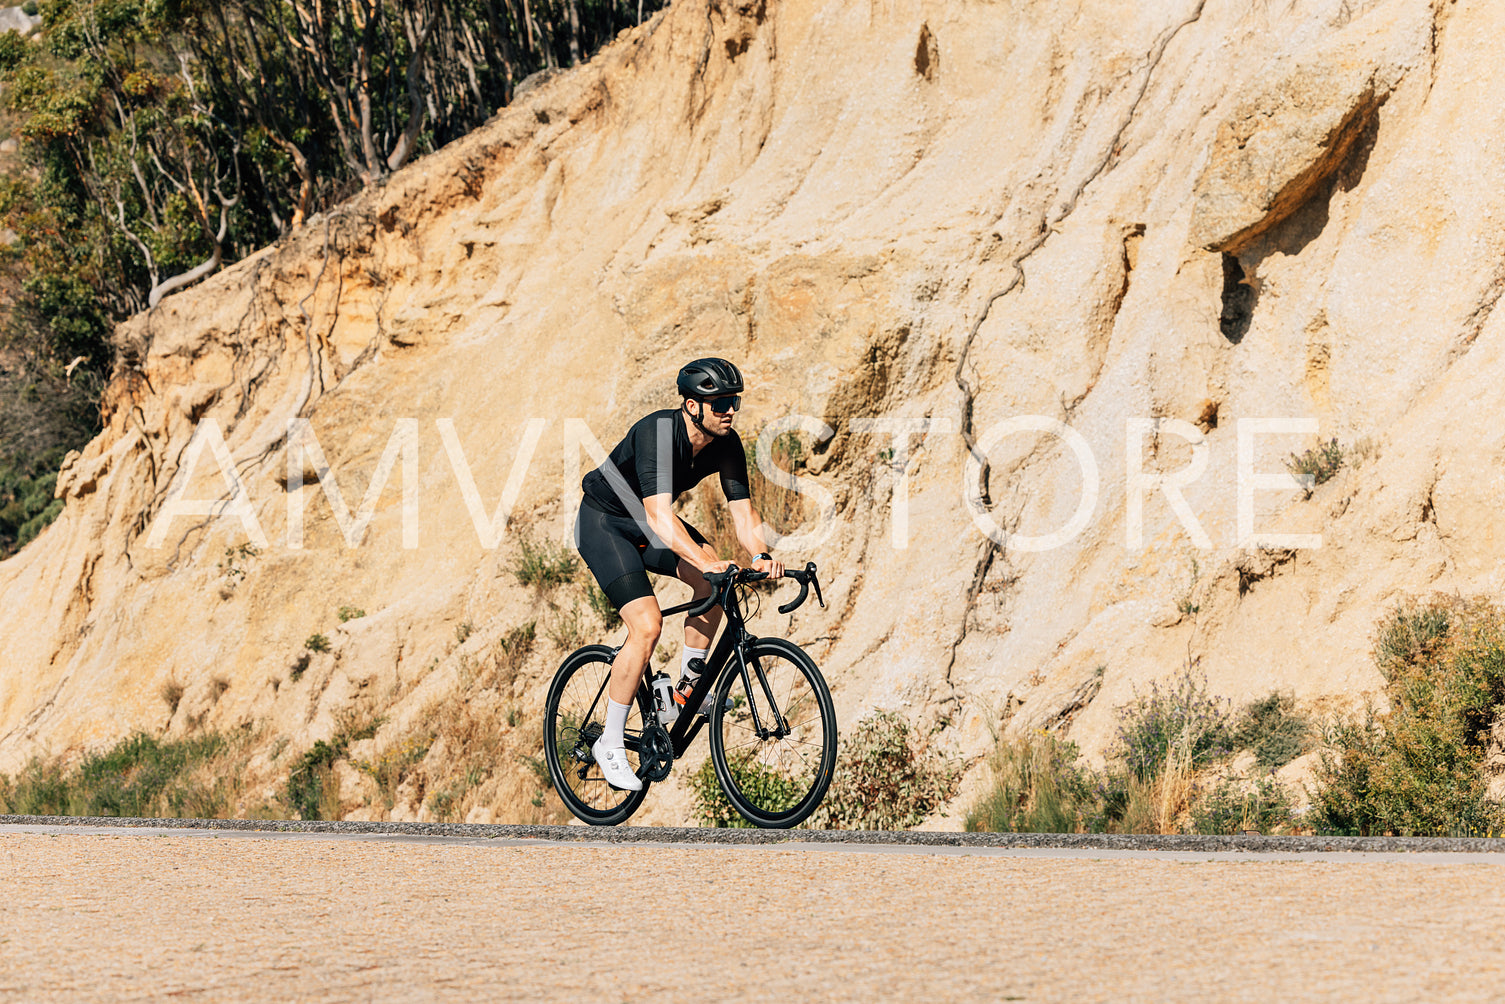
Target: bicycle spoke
[[776, 778]]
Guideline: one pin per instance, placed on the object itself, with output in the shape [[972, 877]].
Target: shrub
[[601, 604], [393, 764], [26, 502], [306, 783], [765, 785], [233, 565], [888, 777], [513, 649], [567, 630], [312, 790], [316, 643], [1233, 807], [1038, 787], [171, 693], [1413, 634], [463, 631], [1419, 768], [300, 666], [544, 564], [1271, 728], [350, 613], [1154, 722], [140, 776], [1316, 466]]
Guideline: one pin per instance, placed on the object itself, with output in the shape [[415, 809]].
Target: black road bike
[[773, 726]]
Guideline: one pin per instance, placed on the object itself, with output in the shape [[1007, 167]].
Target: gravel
[[1255, 844]]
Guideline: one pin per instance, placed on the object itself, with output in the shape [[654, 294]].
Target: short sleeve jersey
[[657, 458]]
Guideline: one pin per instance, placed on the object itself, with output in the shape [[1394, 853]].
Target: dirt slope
[[1172, 219]]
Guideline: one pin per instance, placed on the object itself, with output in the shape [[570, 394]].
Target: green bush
[[1232, 807], [1314, 467], [544, 563], [26, 502], [1418, 769], [601, 604], [1272, 730], [317, 642], [140, 776], [1154, 721], [349, 614], [888, 777], [304, 792], [765, 785], [1038, 787]]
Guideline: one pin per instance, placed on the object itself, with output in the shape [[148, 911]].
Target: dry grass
[[171, 693]]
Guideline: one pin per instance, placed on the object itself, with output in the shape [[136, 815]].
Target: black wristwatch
[[762, 555]]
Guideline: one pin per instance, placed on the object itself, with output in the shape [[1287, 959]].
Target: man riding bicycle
[[627, 528]]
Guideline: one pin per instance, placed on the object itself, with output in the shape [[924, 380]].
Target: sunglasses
[[724, 404]]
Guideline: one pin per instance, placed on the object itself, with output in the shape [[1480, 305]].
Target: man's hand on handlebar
[[772, 567], [715, 567]]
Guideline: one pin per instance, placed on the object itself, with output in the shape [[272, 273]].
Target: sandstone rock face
[[966, 222]]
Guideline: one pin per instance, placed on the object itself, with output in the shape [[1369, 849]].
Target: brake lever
[[814, 581]]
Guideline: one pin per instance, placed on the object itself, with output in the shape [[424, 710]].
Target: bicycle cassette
[[655, 753]]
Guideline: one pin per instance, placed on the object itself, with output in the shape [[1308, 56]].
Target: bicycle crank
[[655, 753]]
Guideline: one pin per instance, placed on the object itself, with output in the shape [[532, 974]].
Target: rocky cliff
[[1064, 282]]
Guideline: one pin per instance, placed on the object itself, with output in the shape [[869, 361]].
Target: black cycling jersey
[[656, 458]]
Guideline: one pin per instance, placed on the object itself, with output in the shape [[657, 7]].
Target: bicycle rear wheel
[[775, 748], [574, 717]]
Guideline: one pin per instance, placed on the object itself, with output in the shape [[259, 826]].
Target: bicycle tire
[[568, 715], [774, 782]]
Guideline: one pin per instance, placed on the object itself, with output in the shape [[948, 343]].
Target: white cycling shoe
[[614, 766]]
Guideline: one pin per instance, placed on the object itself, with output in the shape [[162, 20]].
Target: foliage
[[162, 139], [1151, 724], [44, 412], [26, 502], [346, 614], [317, 642], [311, 790], [1316, 466], [567, 628], [1233, 807], [1272, 729], [543, 563], [392, 765], [140, 776], [1039, 786], [761, 783], [888, 777], [513, 649], [601, 604], [233, 565], [1418, 769]]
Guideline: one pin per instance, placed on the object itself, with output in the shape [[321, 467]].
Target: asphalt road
[[383, 912]]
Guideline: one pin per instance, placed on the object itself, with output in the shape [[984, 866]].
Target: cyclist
[[627, 528]]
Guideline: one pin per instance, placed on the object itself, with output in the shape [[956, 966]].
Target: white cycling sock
[[684, 661], [616, 721]]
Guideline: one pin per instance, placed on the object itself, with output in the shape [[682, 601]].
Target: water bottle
[[663, 698]]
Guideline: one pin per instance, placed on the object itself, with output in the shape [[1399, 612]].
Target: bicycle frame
[[735, 639]]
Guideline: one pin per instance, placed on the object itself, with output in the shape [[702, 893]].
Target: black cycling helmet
[[709, 378]]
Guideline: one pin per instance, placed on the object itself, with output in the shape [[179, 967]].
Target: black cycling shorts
[[619, 555]]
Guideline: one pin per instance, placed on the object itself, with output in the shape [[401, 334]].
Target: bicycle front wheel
[[774, 748], [574, 718]]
